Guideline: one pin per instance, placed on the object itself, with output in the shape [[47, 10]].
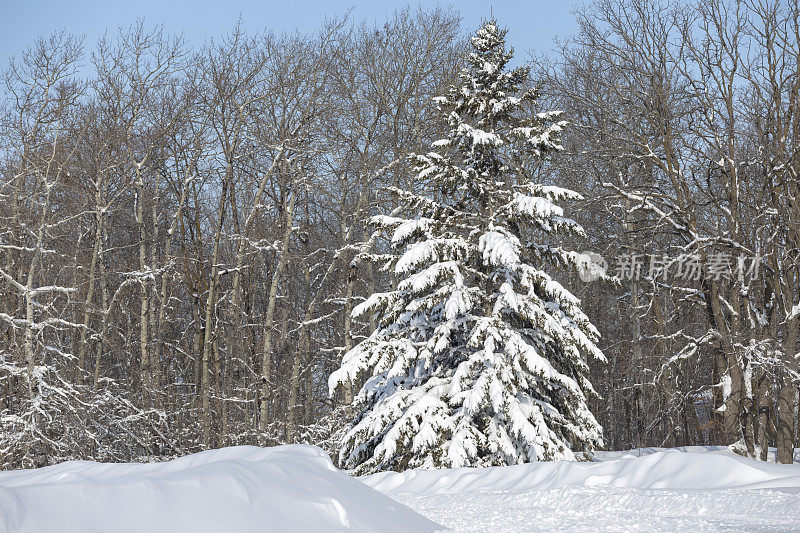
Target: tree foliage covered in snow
[[479, 356]]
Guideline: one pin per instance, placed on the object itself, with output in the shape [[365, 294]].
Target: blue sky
[[532, 24]]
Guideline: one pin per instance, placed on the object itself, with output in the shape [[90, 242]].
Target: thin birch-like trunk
[[269, 321], [162, 298], [209, 312], [145, 372], [89, 302]]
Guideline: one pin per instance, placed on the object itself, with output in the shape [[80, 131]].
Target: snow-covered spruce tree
[[479, 357]]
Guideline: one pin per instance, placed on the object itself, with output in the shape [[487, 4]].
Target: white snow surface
[[296, 488], [688, 489], [241, 489]]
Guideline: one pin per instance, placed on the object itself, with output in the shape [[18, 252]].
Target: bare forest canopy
[[181, 228]]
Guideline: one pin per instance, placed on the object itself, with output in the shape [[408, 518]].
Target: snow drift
[[288, 488], [664, 469]]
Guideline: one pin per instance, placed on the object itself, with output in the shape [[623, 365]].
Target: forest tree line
[[183, 230]]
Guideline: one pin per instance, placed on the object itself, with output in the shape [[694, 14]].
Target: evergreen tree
[[479, 357]]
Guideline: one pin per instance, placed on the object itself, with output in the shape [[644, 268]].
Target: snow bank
[[670, 469], [287, 488]]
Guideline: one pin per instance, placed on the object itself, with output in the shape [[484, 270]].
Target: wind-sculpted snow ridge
[[658, 470], [719, 450], [640, 490], [241, 489]]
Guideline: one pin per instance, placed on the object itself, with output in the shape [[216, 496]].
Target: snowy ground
[[695, 489], [296, 488]]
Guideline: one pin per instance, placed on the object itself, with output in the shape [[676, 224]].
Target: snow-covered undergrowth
[[296, 488], [701, 489], [243, 489]]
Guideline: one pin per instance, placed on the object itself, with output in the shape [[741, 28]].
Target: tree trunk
[[762, 413], [347, 393], [292, 407], [638, 361], [162, 294], [210, 309], [144, 318], [269, 321], [295, 411], [733, 377], [786, 398], [104, 326], [89, 302]]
